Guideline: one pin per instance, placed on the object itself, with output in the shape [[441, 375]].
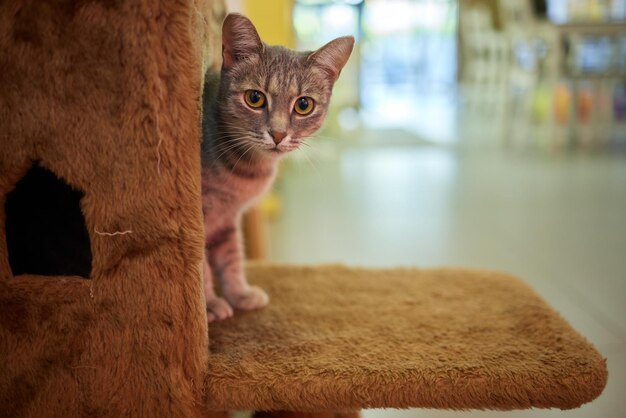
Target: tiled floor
[[558, 221]]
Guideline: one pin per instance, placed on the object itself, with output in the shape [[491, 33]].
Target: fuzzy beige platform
[[337, 338]]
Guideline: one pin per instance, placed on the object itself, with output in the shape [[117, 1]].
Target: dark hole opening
[[45, 227]]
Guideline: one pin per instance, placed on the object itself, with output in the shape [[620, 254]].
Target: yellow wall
[[272, 19]]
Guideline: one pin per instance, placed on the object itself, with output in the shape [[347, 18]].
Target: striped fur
[[239, 155]]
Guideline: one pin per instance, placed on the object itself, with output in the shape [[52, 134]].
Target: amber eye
[[255, 99], [304, 105]]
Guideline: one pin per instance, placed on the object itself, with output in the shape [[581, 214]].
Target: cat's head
[[271, 97]]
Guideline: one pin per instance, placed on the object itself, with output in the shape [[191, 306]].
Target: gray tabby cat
[[267, 100]]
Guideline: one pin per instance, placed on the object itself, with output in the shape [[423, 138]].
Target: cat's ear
[[239, 39], [333, 56]]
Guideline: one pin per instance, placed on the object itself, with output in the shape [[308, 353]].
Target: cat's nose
[[278, 136]]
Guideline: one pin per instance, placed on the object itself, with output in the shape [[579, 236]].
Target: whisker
[[224, 151], [220, 140], [231, 141], [317, 136], [317, 173], [244, 153]]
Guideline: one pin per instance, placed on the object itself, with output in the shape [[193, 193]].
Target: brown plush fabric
[[105, 95], [337, 338]]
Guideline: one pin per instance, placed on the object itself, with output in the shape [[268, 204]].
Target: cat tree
[[101, 306]]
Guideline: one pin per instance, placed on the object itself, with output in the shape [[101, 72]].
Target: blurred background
[[476, 133]]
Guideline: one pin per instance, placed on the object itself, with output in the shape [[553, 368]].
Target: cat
[[263, 104]]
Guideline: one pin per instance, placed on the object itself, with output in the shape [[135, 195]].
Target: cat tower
[[101, 306]]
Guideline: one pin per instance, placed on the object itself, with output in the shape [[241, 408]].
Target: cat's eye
[[254, 98], [304, 105]]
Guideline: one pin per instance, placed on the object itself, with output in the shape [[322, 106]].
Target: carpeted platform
[[338, 338]]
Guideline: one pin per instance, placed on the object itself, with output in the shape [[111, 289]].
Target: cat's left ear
[[333, 56], [239, 39]]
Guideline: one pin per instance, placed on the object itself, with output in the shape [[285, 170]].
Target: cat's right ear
[[333, 56], [239, 39]]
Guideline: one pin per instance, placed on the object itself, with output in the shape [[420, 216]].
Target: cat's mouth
[[274, 150], [278, 150]]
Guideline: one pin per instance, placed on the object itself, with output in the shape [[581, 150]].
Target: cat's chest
[[227, 189], [246, 191]]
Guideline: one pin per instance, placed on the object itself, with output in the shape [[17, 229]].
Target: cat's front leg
[[217, 308], [227, 260]]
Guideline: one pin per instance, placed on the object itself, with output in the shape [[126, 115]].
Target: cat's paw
[[218, 309], [251, 298]]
